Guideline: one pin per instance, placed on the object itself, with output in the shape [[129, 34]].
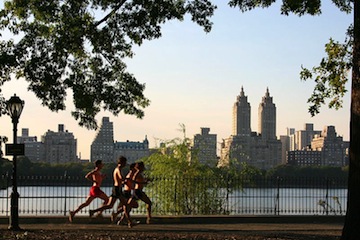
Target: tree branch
[[110, 13]]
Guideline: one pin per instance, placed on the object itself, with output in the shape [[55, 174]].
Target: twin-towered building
[[262, 149]]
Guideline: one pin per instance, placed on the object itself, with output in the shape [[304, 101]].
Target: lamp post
[[14, 107]]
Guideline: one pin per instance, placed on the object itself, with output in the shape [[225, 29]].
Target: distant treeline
[[309, 172], [28, 168]]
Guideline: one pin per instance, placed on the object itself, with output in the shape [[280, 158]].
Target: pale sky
[[193, 78]]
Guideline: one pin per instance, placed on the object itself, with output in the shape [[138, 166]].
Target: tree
[[183, 185], [330, 78], [81, 46]]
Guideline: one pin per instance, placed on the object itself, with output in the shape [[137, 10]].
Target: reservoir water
[[58, 200]]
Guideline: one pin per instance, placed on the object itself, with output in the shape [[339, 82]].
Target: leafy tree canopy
[[175, 158], [298, 7], [331, 75], [82, 45]]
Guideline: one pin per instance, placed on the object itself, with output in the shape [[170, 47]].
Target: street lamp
[[14, 107]]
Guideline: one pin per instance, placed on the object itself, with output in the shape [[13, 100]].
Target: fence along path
[[56, 195]]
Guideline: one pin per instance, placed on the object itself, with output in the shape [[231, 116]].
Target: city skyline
[[193, 78], [105, 120]]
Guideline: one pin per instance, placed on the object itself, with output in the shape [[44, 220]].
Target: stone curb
[[182, 219]]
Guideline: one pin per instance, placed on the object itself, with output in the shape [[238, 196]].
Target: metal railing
[[56, 195]]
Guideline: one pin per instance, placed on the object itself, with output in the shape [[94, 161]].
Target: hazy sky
[[193, 78]]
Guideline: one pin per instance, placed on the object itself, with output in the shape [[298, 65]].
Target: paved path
[[303, 227]]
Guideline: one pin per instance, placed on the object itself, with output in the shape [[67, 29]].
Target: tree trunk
[[351, 230]]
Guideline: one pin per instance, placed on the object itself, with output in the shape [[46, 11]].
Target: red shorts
[[95, 191]]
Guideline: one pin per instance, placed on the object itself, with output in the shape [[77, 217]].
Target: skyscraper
[[104, 148], [331, 146], [304, 137], [34, 150], [103, 145], [267, 117], [60, 147], [205, 146], [241, 115]]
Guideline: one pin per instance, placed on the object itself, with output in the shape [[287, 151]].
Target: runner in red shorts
[[117, 192], [96, 177], [96, 192]]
